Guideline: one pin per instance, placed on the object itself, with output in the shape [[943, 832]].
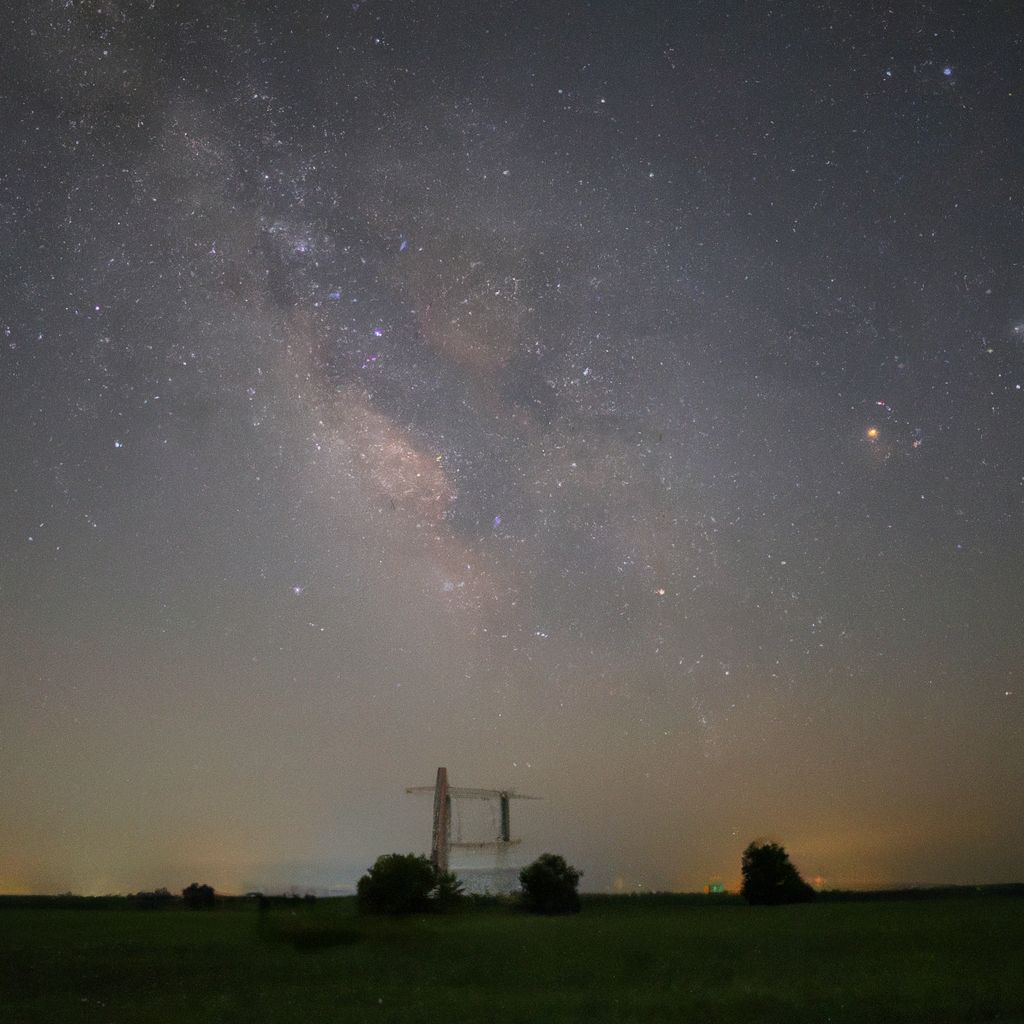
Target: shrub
[[770, 879], [448, 892], [550, 886], [397, 884]]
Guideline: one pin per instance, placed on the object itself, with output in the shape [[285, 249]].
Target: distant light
[[872, 433], [947, 71]]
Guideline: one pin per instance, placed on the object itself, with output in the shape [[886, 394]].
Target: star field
[[618, 402]]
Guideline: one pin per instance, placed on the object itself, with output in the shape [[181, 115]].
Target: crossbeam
[[493, 844], [467, 793]]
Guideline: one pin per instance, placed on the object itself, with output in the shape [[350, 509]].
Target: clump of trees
[[549, 886], [406, 883], [198, 897], [770, 879], [152, 900]]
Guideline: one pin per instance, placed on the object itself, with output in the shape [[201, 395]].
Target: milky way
[[619, 402]]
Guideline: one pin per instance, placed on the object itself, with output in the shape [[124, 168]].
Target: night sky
[[619, 402]]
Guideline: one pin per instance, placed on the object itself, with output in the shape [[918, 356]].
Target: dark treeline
[[680, 899], [151, 901], [924, 892], [70, 901]]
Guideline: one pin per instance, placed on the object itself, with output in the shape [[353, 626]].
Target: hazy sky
[[619, 402]]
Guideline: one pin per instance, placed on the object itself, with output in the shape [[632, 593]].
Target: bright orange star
[[872, 433]]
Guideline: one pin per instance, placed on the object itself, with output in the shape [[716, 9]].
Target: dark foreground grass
[[916, 962]]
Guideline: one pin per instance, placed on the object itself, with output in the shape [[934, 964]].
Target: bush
[[549, 886], [448, 892], [770, 879], [397, 884], [198, 897]]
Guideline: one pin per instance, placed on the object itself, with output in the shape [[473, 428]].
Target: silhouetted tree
[[769, 878], [198, 896], [398, 883], [549, 886]]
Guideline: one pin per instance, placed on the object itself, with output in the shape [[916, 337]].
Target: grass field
[[620, 960]]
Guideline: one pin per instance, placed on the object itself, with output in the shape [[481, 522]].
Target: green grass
[[916, 962]]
